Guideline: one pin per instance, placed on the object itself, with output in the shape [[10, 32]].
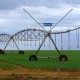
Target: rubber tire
[[63, 58], [21, 52], [1, 51], [33, 58]]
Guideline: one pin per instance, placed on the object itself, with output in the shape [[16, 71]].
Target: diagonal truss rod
[[34, 19], [41, 25], [41, 44], [9, 41], [44, 41], [54, 44], [61, 19], [7, 44]]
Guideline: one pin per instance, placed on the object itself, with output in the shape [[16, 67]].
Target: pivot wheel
[[1, 51], [33, 58], [63, 58], [21, 52]]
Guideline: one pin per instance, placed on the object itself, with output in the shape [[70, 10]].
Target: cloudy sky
[[13, 18]]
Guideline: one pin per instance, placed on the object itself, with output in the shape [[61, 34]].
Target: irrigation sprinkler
[[36, 35], [48, 34]]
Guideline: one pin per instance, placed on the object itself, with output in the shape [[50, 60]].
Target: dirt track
[[27, 74], [22, 73]]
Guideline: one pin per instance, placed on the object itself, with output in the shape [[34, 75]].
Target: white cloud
[[14, 19], [17, 19]]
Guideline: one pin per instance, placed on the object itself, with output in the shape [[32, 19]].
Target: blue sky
[[14, 19]]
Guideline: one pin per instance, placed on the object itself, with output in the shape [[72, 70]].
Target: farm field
[[17, 67], [12, 60]]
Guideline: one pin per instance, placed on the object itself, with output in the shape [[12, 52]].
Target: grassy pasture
[[22, 60]]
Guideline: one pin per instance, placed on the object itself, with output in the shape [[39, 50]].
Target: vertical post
[[35, 38], [21, 38], [77, 36], [61, 42], [55, 40], [39, 39], [27, 38], [24, 37], [44, 42], [69, 46], [49, 43]]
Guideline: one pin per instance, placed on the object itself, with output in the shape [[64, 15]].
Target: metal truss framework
[[37, 34], [4, 37], [33, 35]]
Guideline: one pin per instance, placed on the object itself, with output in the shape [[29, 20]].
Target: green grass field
[[22, 60]]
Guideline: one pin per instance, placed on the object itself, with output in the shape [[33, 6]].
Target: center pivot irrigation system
[[47, 34], [29, 35]]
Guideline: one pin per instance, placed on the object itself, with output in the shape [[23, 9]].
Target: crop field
[[12, 60]]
